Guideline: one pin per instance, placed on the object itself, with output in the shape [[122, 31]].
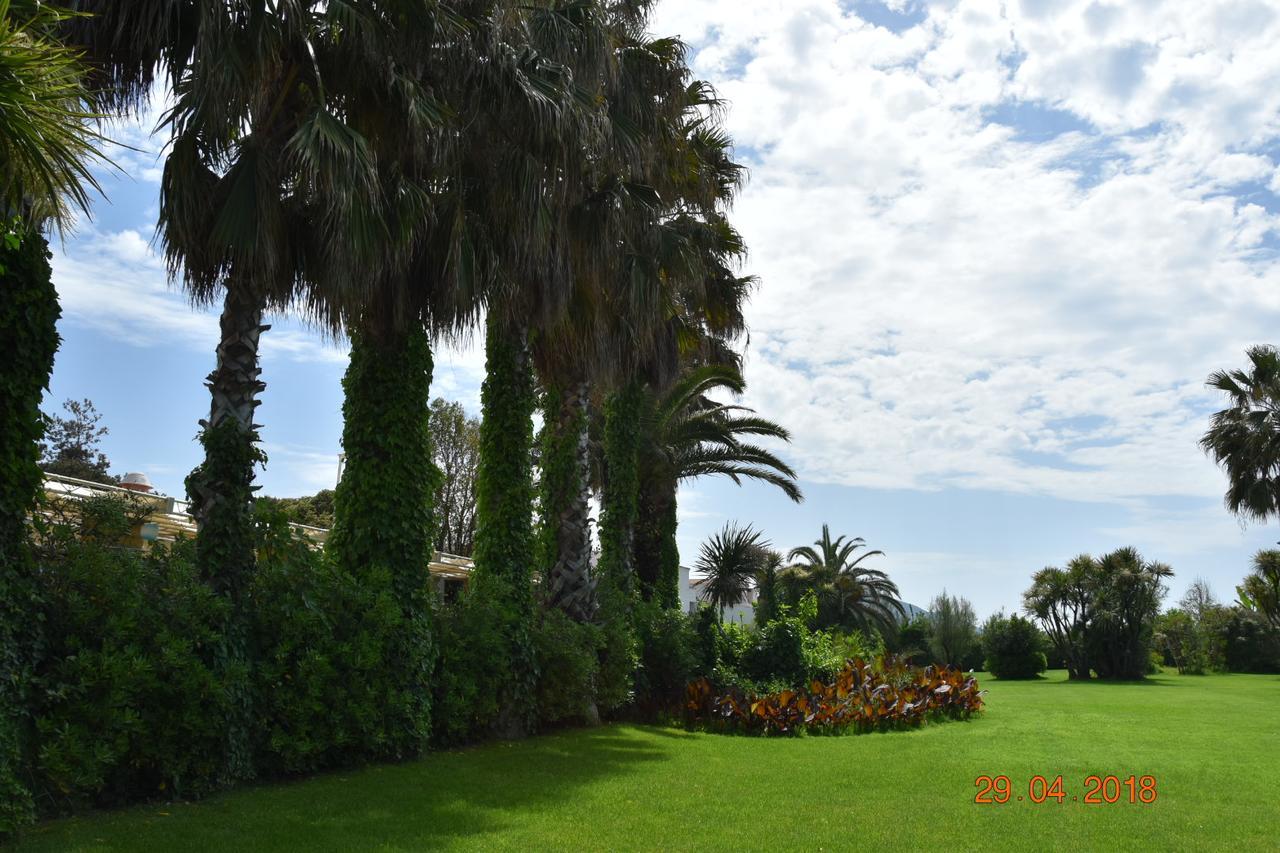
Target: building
[[164, 519], [691, 597]]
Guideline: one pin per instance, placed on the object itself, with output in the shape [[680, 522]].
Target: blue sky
[[1001, 245]]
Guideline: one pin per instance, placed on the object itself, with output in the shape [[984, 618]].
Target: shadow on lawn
[[450, 795], [1116, 682]]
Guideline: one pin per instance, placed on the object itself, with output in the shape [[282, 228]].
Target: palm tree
[[849, 594], [46, 151], [275, 194], [687, 435], [1244, 438], [597, 340], [1260, 591], [688, 252], [768, 583], [1129, 589], [729, 562], [1062, 599]]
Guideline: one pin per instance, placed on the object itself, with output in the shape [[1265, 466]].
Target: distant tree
[[70, 445], [1250, 643], [1244, 438], [1208, 620], [312, 510], [955, 629], [1178, 641], [1260, 591], [1062, 600], [729, 561], [911, 639], [1128, 592], [455, 438], [850, 595], [1198, 600], [1011, 647]]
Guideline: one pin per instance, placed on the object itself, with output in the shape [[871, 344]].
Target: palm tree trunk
[[383, 511], [28, 326], [221, 491], [504, 515], [566, 533]]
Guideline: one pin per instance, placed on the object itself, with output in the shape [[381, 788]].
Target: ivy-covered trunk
[[669, 577], [503, 576], [657, 558], [28, 317], [565, 540], [621, 487], [619, 502], [221, 491], [383, 514]]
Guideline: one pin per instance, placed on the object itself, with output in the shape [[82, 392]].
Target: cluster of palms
[[849, 595], [402, 172]]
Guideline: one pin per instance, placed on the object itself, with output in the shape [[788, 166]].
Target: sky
[[1000, 246]]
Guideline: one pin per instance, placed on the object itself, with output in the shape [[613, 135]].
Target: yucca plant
[[729, 563]]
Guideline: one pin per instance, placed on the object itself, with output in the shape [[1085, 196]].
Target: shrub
[[669, 657], [568, 663], [859, 699], [126, 704], [912, 640], [323, 692], [706, 628], [733, 648], [1250, 644], [472, 656], [778, 653], [1012, 647]]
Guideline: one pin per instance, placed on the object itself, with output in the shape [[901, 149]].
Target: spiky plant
[[729, 562]]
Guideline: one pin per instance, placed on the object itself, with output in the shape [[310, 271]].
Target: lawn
[[1213, 744]]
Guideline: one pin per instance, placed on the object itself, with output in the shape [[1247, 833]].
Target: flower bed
[[861, 698]]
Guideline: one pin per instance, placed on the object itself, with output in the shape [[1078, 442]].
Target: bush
[[669, 658], [323, 694], [568, 665], [912, 640], [126, 705], [733, 645], [777, 655], [472, 655], [1250, 644], [1012, 647]]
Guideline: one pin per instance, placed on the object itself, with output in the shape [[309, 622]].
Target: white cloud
[[947, 302]]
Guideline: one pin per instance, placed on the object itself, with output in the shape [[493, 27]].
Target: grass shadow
[[426, 803]]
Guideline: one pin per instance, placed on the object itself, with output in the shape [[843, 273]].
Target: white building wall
[[743, 613]]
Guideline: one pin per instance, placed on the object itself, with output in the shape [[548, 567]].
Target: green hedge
[[28, 318]]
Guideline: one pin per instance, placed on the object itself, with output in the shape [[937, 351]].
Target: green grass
[[1212, 743]]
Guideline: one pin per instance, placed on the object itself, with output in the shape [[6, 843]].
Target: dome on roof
[[136, 481]]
